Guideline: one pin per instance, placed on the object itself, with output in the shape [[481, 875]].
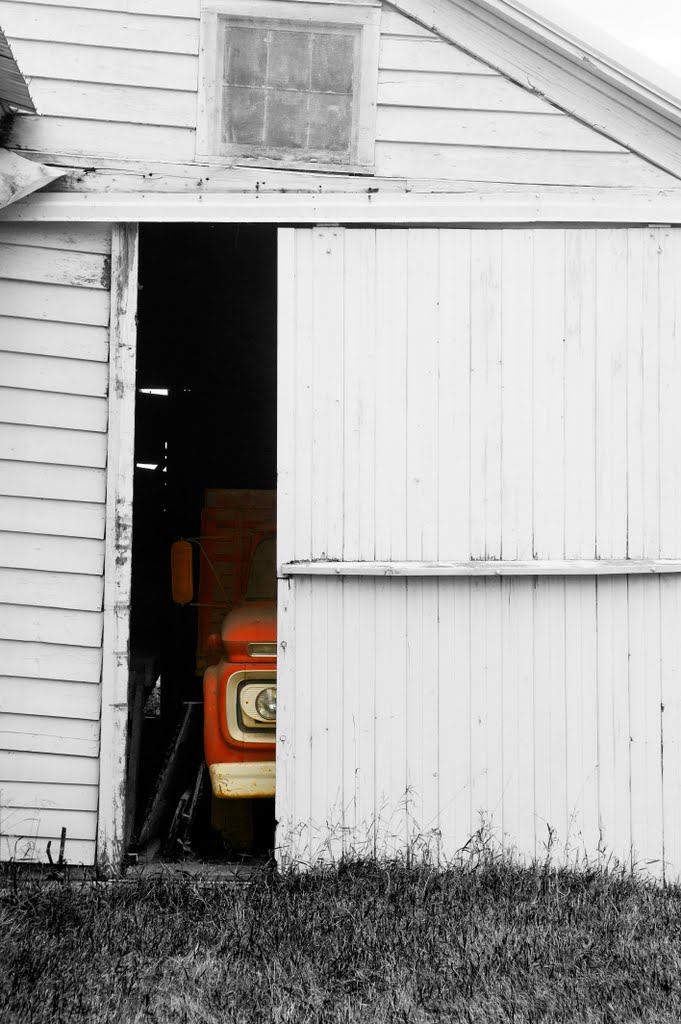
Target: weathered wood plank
[[53, 554], [159, 8], [93, 101], [52, 796], [482, 567], [49, 735], [45, 409], [51, 589], [36, 301], [427, 55], [26, 766], [103, 138], [47, 338], [53, 266], [24, 850], [458, 92], [51, 625], [44, 444], [93, 238], [59, 518], [50, 661], [48, 374], [45, 823], [41, 480], [395, 24]]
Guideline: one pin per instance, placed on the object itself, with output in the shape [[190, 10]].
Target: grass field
[[360, 943]]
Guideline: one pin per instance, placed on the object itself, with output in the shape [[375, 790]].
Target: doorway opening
[[205, 471]]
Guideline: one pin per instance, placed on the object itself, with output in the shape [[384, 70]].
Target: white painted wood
[[51, 625], [117, 569], [395, 24], [40, 480], [46, 409], [427, 55], [24, 849], [616, 206], [50, 661], [46, 823], [481, 567], [53, 796], [24, 766], [93, 27], [73, 62], [92, 101], [465, 92], [65, 447], [46, 338], [54, 302], [51, 589], [161, 8], [104, 138], [41, 734], [52, 374], [53, 266], [91, 238], [55, 554], [49, 697]]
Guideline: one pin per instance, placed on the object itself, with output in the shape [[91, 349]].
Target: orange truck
[[237, 639]]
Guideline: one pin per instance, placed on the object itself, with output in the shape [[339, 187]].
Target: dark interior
[[207, 348]]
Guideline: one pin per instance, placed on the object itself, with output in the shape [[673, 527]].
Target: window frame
[[365, 16]]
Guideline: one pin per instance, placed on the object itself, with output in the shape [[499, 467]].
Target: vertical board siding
[[421, 711], [53, 350], [484, 394], [488, 394], [117, 79]]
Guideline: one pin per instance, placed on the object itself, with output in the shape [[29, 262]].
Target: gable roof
[[13, 89], [596, 80]]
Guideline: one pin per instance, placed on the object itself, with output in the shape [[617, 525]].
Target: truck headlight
[[266, 704]]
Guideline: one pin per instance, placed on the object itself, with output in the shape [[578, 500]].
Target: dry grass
[[365, 942]]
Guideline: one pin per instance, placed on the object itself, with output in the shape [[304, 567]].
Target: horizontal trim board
[[54, 266], [101, 139], [56, 518], [41, 480], [52, 698], [490, 129], [23, 766], [458, 92], [106, 65], [48, 795], [47, 338], [26, 443], [99, 101], [91, 27], [31, 372], [49, 409], [35, 301], [44, 823], [53, 554], [641, 206], [51, 625], [24, 850], [568, 567], [50, 661], [94, 238]]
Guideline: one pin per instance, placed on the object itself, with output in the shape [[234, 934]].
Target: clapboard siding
[[526, 705], [54, 296], [120, 80], [28, 849], [485, 394]]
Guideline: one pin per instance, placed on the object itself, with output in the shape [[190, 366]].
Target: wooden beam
[[571, 567], [118, 550]]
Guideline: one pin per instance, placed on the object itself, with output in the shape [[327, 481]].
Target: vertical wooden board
[[580, 393], [391, 725], [353, 708], [415, 712], [517, 376], [429, 697], [287, 271], [327, 392], [547, 393], [670, 389], [360, 406], [645, 725], [321, 783], [335, 754], [548, 669], [363, 632], [455, 715], [635, 360], [286, 722], [494, 671], [478, 704], [581, 719], [422, 393], [391, 394], [302, 841], [611, 432], [485, 400], [519, 699], [300, 402], [454, 395], [655, 241], [670, 608]]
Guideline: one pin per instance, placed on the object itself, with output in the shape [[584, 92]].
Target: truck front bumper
[[240, 779]]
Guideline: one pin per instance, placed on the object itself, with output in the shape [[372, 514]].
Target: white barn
[[479, 437]]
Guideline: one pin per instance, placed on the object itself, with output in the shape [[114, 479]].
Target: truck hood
[[251, 621]]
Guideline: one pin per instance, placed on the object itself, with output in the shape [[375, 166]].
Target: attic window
[[298, 89]]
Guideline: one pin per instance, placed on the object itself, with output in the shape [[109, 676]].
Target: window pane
[[245, 56], [330, 122], [243, 115], [333, 61], [287, 120], [289, 60]]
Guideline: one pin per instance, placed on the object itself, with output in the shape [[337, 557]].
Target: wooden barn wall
[[480, 395], [119, 80], [54, 317]]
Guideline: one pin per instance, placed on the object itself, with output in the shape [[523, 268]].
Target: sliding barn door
[[479, 542]]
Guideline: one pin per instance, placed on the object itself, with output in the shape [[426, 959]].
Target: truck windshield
[[262, 578]]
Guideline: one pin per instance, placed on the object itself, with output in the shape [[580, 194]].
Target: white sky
[[650, 26]]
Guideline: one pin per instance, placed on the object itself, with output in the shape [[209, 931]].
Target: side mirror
[[182, 571]]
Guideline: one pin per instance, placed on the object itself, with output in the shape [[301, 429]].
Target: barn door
[[479, 544]]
